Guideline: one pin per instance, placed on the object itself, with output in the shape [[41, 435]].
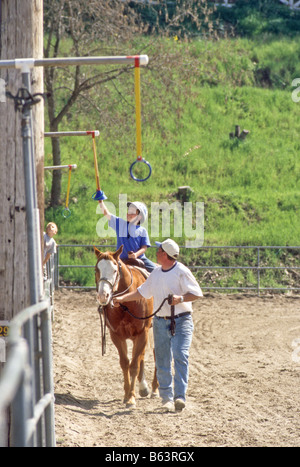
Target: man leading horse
[[172, 277]]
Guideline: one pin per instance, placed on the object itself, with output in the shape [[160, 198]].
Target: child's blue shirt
[[131, 236]]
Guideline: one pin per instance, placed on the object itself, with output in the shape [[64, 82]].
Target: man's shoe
[[168, 406], [179, 405]]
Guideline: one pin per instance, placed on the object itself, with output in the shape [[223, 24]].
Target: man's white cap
[[170, 247]]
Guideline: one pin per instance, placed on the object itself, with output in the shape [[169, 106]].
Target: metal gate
[[26, 386], [258, 262]]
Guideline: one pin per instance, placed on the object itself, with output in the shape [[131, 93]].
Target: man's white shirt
[[176, 281]]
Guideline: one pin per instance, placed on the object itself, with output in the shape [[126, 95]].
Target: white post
[[58, 134], [27, 63], [57, 167]]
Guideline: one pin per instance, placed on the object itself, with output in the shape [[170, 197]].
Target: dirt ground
[[244, 378]]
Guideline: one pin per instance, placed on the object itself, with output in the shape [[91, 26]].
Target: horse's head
[[107, 274]]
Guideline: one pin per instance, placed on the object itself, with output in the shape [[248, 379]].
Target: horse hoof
[[130, 405], [144, 392], [154, 394]]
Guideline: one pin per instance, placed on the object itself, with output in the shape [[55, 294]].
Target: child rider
[[130, 233]]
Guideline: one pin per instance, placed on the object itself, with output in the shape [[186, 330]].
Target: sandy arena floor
[[244, 387]]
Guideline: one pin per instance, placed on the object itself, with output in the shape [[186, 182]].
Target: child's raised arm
[[104, 210]]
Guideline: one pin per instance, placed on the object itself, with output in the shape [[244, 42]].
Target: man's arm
[[129, 297], [188, 297], [132, 296]]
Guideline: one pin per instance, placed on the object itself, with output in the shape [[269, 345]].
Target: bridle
[[103, 279], [116, 283]]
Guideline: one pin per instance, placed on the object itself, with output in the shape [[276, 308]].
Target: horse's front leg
[[137, 363], [124, 363], [143, 386]]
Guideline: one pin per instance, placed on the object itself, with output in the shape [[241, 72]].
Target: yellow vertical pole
[[138, 108], [96, 164], [68, 189]]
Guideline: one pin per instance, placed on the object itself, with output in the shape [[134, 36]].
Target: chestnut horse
[[114, 277]]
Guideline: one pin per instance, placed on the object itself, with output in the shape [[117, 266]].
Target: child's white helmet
[[142, 208]]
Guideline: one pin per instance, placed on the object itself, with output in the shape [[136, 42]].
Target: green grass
[[250, 188]]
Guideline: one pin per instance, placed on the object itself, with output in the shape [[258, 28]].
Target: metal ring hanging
[[138, 124], [140, 179]]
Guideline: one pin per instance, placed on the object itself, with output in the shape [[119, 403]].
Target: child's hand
[[132, 255]]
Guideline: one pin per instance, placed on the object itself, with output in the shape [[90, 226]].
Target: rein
[[168, 298], [124, 291], [124, 308], [103, 328], [101, 309]]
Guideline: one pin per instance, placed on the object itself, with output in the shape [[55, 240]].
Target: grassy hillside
[[250, 188], [193, 95]]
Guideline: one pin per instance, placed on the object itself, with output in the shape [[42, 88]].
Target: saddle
[[137, 264], [134, 262]]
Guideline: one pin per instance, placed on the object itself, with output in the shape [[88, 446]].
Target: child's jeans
[[149, 265]]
